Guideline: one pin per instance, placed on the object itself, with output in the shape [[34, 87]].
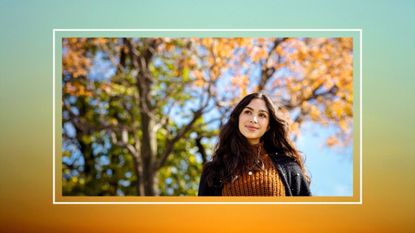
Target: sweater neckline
[[259, 148]]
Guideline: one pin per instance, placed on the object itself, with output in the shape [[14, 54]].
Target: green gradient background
[[388, 116]]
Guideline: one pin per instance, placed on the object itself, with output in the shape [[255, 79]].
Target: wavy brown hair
[[234, 155]]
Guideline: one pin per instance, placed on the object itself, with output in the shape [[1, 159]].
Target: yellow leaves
[[114, 89], [349, 97], [100, 41], [278, 82], [305, 106], [66, 154], [106, 87], [311, 110], [348, 109], [199, 83], [261, 41], [258, 53], [332, 141], [87, 139], [347, 43], [74, 179], [302, 54], [320, 99], [239, 86], [81, 181], [279, 50], [336, 110], [343, 125], [328, 84], [190, 62], [113, 121], [117, 89], [320, 80], [307, 92], [197, 74], [293, 85], [243, 42], [70, 88], [244, 92], [224, 48], [339, 109], [199, 78], [347, 57], [295, 128], [165, 45], [192, 159], [74, 43], [220, 48], [314, 113], [76, 64], [76, 89], [74, 60], [326, 60], [241, 81], [207, 41], [169, 47]]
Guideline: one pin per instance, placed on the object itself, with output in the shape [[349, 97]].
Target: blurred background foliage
[[141, 115]]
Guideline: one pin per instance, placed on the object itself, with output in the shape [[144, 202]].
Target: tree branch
[[201, 148], [170, 143], [267, 72]]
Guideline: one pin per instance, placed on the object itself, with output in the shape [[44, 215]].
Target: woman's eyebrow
[[258, 111]]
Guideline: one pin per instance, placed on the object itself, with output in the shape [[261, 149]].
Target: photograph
[[207, 116]]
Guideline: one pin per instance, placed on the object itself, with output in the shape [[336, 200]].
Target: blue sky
[[331, 169]]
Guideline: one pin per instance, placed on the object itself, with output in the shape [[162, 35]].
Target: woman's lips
[[251, 128]]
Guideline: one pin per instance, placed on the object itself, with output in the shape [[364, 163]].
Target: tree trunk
[[138, 169], [148, 152], [148, 147]]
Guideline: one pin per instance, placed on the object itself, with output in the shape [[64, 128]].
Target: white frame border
[[360, 202]]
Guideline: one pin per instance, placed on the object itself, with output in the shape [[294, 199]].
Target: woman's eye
[[262, 115], [247, 112]]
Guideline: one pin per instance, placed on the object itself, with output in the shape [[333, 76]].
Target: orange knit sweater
[[266, 182]]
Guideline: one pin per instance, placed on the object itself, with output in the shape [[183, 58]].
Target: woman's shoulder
[[281, 157], [209, 170], [207, 166], [207, 188], [285, 159]]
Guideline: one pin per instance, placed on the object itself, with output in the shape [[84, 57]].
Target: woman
[[254, 156]]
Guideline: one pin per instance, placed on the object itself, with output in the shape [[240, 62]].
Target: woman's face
[[254, 121]]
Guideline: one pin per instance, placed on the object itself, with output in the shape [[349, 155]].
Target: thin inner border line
[[360, 202]]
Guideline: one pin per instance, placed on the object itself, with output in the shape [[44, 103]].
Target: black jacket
[[288, 169]]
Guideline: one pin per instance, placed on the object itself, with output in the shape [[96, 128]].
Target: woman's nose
[[254, 119]]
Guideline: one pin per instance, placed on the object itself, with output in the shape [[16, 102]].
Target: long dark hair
[[234, 155]]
